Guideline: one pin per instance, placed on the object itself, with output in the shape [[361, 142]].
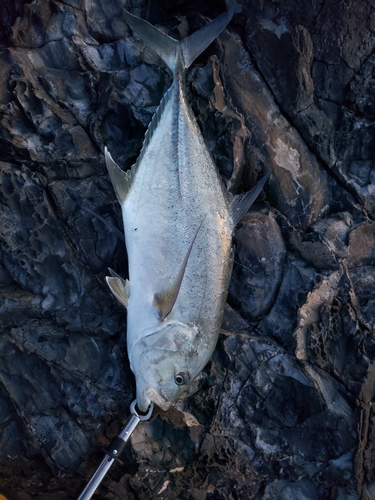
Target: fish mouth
[[145, 397], [164, 406], [143, 403], [159, 399]]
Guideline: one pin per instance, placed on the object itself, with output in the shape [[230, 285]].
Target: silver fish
[[178, 230]]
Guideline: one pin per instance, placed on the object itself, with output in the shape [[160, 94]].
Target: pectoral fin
[[119, 287], [164, 301], [242, 202]]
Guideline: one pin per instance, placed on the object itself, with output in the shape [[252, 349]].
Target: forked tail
[[171, 50]]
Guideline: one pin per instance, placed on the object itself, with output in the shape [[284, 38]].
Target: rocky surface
[[285, 408]]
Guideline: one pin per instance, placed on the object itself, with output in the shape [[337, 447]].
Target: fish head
[[165, 361]]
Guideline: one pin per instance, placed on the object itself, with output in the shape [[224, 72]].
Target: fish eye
[[181, 378]]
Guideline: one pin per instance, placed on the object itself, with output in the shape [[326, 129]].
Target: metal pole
[[115, 449]]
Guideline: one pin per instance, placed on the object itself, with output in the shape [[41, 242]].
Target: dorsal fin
[[121, 181], [164, 301], [152, 126], [242, 202], [119, 287]]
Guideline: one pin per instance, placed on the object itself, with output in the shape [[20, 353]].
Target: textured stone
[[276, 144], [298, 279], [317, 60], [362, 245], [284, 408], [258, 265]]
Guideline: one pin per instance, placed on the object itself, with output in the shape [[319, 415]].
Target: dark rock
[[284, 408], [363, 279], [362, 245], [325, 244], [79, 203], [233, 321], [285, 490], [8, 15], [277, 145], [258, 265], [298, 280]]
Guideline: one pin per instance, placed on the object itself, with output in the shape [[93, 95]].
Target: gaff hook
[[114, 451]]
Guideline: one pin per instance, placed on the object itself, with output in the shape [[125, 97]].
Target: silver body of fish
[[178, 230]]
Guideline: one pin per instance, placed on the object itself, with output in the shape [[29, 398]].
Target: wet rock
[[33, 246], [283, 490], [77, 353], [47, 423], [233, 321], [176, 436], [91, 221], [229, 138], [106, 21], [325, 245], [363, 280], [295, 170], [259, 418], [298, 279], [284, 408], [255, 417], [330, 391], [258, 265], [321, 296], [318, 63], [362, 245], [335, 231]]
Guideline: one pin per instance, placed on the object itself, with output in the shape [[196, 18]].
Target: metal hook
[[115, 449]]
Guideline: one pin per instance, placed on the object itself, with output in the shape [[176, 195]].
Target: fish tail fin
[[170, 49], [165, 46], [197, 42]]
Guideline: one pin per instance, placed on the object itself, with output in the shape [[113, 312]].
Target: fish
[[178, 222]]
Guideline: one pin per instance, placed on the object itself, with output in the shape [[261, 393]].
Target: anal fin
[[242, 202], [164, 301], [119, 287]]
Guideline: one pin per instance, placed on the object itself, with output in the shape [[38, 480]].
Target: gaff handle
[[114, 451]]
